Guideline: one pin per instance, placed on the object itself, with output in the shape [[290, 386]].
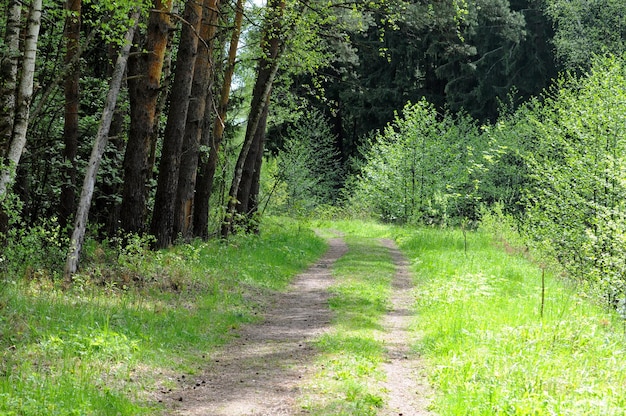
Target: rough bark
[[24, 96], [145, 71], [253, 194], [162, 226], [67, 204], [8, 74], [272, 45], [212, 137], [251, 171], [201, 93], [82, 213]]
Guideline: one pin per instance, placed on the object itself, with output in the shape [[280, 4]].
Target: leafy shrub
[[37, 251], [576, 205], [424, 169]]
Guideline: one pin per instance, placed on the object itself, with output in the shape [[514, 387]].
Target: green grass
[[350, 355], [487, 348], [130, 327]]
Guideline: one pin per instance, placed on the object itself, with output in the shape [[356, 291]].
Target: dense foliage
[[326, 87], [556, 165]]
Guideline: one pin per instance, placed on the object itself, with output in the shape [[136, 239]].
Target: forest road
[[260, 372]]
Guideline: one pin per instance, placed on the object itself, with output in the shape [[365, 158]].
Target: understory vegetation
[[555, 165], [136, 320]]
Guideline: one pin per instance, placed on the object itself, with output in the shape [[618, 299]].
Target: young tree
[[82, 214]]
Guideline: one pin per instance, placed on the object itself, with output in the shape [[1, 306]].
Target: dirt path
[[260, 372], [408, 389]]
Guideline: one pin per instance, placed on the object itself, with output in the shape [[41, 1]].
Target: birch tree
[[24, 95], [8, 74], [82, 213]]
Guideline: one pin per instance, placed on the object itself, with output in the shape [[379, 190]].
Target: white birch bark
[[8, 75], [82, 213], [24, 96]]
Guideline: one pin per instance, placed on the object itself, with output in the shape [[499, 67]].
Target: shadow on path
[[259, 372]]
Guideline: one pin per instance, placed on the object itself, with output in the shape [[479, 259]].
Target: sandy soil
[[260, 372], [409, 391]]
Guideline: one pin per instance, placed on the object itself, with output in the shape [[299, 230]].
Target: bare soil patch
[[408, 389], [259, 372]]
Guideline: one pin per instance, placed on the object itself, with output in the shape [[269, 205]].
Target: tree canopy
[[215, 88]]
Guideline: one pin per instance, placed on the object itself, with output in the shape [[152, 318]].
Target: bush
[[423, 169]]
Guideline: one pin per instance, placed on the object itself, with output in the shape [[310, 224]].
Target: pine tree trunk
[[272, 45], [82, 213], [245, 194], [162, 226], [8, 75], [145, 71], [24, 96], [255, 186], [201, 94], [212, 137], [67, 204]]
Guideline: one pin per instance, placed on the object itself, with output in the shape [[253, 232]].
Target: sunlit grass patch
[[487, 346], [105, 345]]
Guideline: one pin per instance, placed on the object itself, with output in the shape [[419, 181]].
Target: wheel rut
[[408, 389], [259, 372]]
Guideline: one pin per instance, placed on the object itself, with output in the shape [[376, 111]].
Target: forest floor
[[262, 371]]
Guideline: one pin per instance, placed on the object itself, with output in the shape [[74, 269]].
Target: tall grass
[[128, 328], [487, 347]]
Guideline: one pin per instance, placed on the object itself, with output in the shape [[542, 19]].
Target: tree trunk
[[24, 96], [212, 137], [67, 204], [272, 45], [82, 213], [245, 194], [253, 193], [145, 71], [162, 226], [8, 75], [201, 94]]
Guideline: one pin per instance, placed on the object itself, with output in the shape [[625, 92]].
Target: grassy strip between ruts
[[112, 342], [347, 380]]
